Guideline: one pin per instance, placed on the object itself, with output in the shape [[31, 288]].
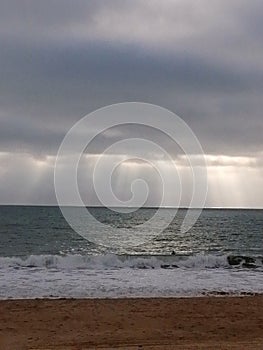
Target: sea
[[41, 256]]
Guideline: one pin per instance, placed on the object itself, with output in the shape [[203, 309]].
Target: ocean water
[[41, 256]]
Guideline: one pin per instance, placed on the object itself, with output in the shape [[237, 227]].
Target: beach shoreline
[[206, 322]]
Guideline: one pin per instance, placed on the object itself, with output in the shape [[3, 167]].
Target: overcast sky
[[60, 60]]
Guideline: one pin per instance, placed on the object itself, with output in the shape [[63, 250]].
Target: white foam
[[112, 276], [111, 261]]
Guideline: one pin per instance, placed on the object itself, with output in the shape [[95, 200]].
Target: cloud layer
[[61, 60]]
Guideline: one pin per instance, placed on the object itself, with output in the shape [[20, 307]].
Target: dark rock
[[249, 260], [237, 259], [175, 266], [234, 260], [168, 266], [249, 265], [165, 266]]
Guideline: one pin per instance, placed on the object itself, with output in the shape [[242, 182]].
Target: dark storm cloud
[[58, 85]]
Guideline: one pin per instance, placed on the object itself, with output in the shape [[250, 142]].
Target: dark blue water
[[33, 230]]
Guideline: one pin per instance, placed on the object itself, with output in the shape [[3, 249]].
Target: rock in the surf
[[249, 265], [238, 259], [234, 260]]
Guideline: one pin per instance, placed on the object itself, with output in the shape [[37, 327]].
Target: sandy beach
[[187, 323]]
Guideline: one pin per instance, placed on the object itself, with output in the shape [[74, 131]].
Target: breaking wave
[[111, 261]]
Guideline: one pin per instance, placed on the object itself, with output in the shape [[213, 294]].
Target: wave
[[112, 261]]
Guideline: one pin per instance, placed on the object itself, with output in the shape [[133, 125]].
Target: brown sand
[[190, 323]]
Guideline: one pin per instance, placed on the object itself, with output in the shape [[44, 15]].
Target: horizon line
[[131, 207]]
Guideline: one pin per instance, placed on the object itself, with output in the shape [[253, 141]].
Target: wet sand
[[186, 323]]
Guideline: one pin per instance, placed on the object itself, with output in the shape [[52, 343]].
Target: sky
[[60, 60]]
